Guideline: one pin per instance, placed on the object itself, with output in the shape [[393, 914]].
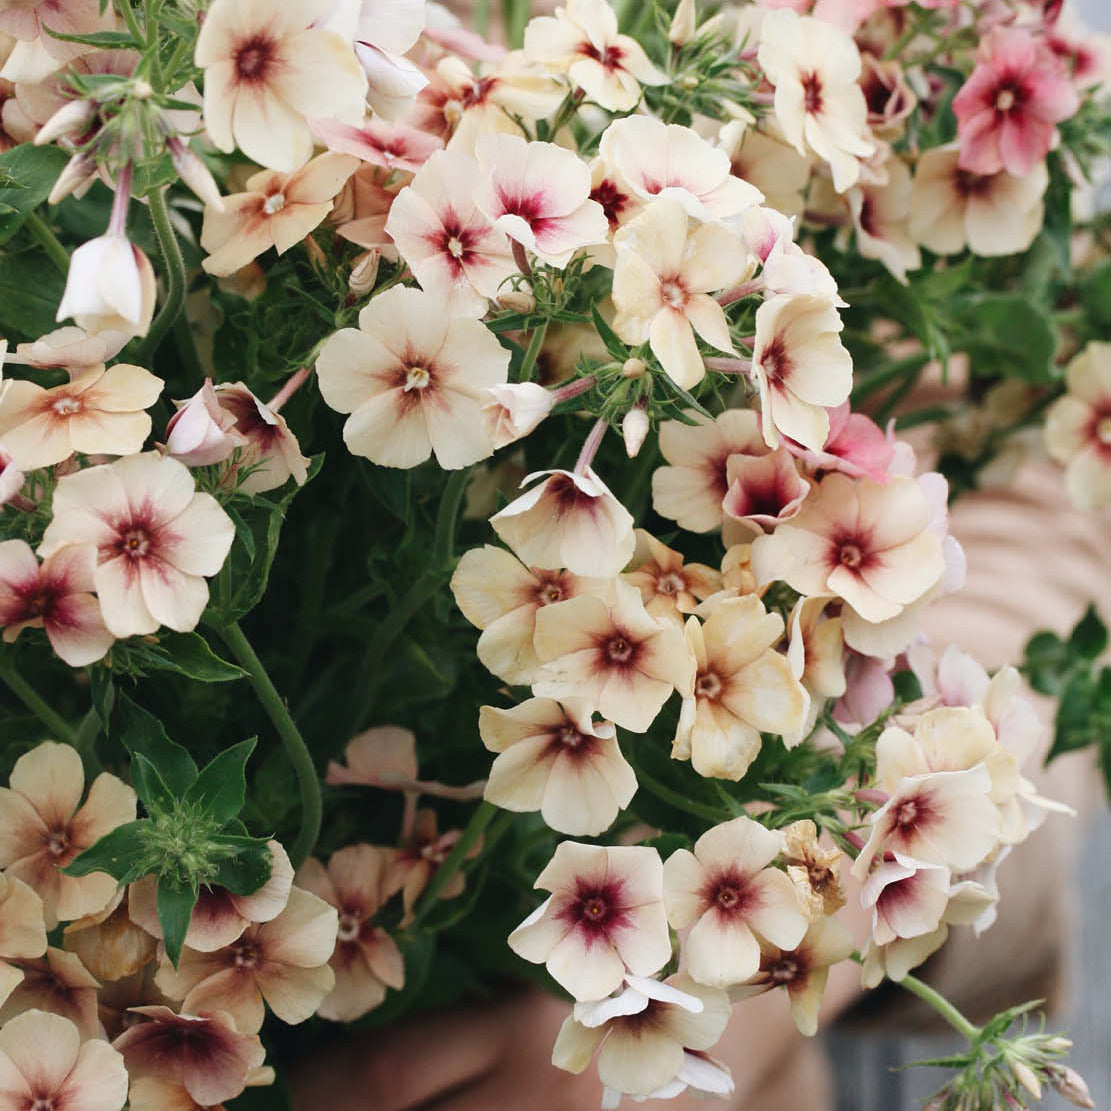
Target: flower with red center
[[45, 1066], [454, 251], [22, 931], [268, 69], [662, 280], [764, 490], [271, 452], [55, 597], [1078, 427], [204, 1054], [155, 537], [43, 826], [613, 655], [538, 194], [887, 93], [668, 586], [394, 146], [801, 368], [731, 899], [605, 916], [366, 960], [881, 213], [411, 377], [1008, 110], [411, 867], [907, 898], [99, 413], [856, 445], [555, 759], [581, 40], [57, 982]]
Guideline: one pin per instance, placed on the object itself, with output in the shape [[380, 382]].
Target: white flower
[[110, 287]]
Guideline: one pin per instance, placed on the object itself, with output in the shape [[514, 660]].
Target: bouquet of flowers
[[456, 522]]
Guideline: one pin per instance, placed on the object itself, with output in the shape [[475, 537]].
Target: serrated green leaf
[[175, 909], [221, 787], [142, 732], [118, 853]]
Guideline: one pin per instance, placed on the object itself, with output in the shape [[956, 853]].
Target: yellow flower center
[[416, 378]]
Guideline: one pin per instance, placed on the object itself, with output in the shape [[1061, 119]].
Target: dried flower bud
[[72, 117], [634, 429], [519, 300], [364, 273], [682, 23], [1070, 1084]]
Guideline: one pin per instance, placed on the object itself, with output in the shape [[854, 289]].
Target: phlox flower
[[907, 898], [555, 759], [366, 960], [801, 368], [650, 1035], [270, 449], [267, 70], [663, 275], [816, 653], [1008, 110], [765, 489], [411, 867], [570, 520], [37, 52], [512, 411], [731, 898], [1078, 427], [59, 983], [582, 41], [611, 654], [277, 210], [56, 597], [204, 1053], [803, 971], [71, 347], [360, 211], [43, 826], [690, 489], [22, 931], [411, 377], [108, 943], [815, 871], [393, 146], [768, 164], [880, 213], [454, 251], [538, 194], [151, 1094], [605, 916], [201, 433], [156, 539], [668, 586], [818, 103], [856, 445], [384, 31], [992, 214], [742, 688], [45, 1063], [282, 962], [500, 596], [110, 287]]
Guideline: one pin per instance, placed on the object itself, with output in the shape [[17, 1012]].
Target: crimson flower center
[[708, 685], [135, 543], [57, 842], [254, 58], [349, 926], [851, 556], [775, 361], [784, 971], [570, 737], [1103, 430], [595, 909], [619, 650], [906, 814], [550, 594], [812, 92], [42, 1104], [246, 954]]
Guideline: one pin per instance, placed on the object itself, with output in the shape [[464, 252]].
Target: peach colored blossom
[[668, 586], [201, 433], [907, 898], [554, 758], [57, 982], [156, 537], [108, 943], [271, 453], [887, 93], [1078, 427], [361, 209], [512, 411], [855, 445], [881, 212], [605, 916], [393, 146], [43, 826], [766, 162], [816, 653], [412, 865], [22, 931], [366, 960], [764, 490], [151, 1094]]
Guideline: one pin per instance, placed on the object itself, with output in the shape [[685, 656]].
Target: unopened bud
[[78, 173], [682, 24], [1057, 1044], [633, 368], [317, 258], [195, 174], [1070, 1084], [691, 81], [1027, 1078], [364, 273], [634, 429], [71, 117], [518, 300], [142, 90]]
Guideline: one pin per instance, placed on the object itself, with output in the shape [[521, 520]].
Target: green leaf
[[221, 787], [102, 40], [1007, 335], [142, 732], [103, 690], [247, 864], [175, 908], [1089, 638], [187, 654], [30, 290], [614, 345], [1047, 661], [27, 174], [150, 786], [118, 853], [1096, 297], [1075, 717]]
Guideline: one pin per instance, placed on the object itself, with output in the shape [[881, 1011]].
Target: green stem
[[451, 501], [292, 741], [532, 353], [31, 698], [84, 740], [187, 349], [132, 23], [480, 819], [175, 275], [680, 802], [941, 1005], [37, 226]]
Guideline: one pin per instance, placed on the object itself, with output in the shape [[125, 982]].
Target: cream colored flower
[[765, 489], [1078, 427], [110, 287], [412, 379], [816, 652], [880, 215], [772, 166], [268, 69], [668, 587], [22, 930]]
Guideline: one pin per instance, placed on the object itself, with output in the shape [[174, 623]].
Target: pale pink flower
[[156, 538], [868, 544], [383, 32], [267, 70], [44, 1064], [152, 1094], [818, 103], [801, 368], [887, 93], [907, 898], [856, 445], [538, 194], [880, 213], [72, 348], [282, 962], [57, 982], [668, 587], [22, 931], [204, 1054], [411, 867], [569, 520], [201, 433], [605, 916], [110, 287], [361, 209], [277, 210], [500, 596], [366, 960], [454, 251], [816, 653], [57, 597], [394, 146], [514, 410], [653, 1038], [992, 214], [611, 654], [582, 41], [1008, 110], [742, 688], [36, 53], [663, 275], [764, 490], [43, 826], [1078, 427], [730, 897], [691, 488], [555, 759], [271, 451], [100, 412], [411, 376]]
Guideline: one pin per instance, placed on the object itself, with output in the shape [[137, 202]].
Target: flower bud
[[192, 170], [364, 273], [514, 410], [110, 287], [682, 23], [519, 300], [201, 433], [72, 117], [1027, 1078], [78, 173], [633, 368], [1070, 1084], [634, 429]]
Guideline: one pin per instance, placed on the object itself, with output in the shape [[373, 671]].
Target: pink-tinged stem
[[739, 291], [117, 223], [728, 366], [590, 447], [870, 794], [573, 389], [762, 98], [854, 839], [291, 386]]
